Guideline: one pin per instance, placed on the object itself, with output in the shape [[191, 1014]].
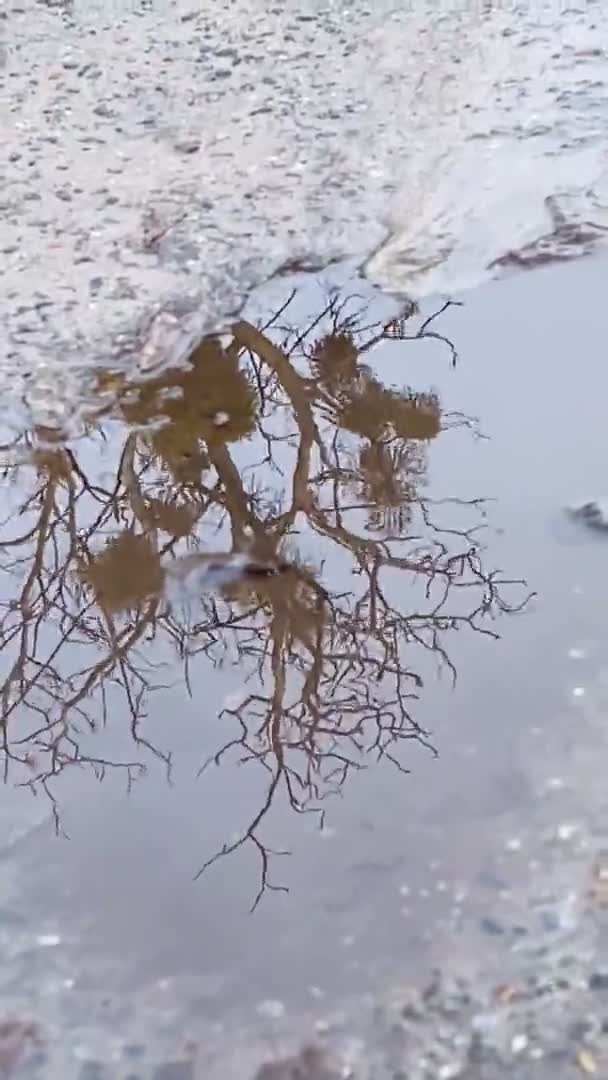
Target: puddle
[[285, 643]]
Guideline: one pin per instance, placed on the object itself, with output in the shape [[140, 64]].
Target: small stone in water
[[566, 832], [48, 941], [551, 920], [271, 1009], [491, 926], [449, 1071], [593, 512], [187, 146], [221, 418], [519, 1043], [555, 783]]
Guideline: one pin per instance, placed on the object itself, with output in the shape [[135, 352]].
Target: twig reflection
[[98, 574]]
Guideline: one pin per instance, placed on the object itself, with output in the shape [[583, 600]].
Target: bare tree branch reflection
[[267, 507]]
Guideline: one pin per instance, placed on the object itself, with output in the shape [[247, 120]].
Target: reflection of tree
[[95, 573]]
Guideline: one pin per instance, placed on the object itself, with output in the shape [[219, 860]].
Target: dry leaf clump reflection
[[265, 505]]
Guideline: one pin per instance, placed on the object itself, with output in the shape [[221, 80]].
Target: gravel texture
[[163, 157]]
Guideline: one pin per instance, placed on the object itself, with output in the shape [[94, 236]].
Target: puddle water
[[290, 638]]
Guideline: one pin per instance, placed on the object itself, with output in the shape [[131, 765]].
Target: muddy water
[[292, 639]]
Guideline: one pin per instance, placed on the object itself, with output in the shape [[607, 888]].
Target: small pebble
[[519, 1043], [566, 832], [449, 1071], [187, 146], [551, 920], [491, 926], [555, 783], [48, 941], [221, 419], [271, 1009], [513, 844]]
